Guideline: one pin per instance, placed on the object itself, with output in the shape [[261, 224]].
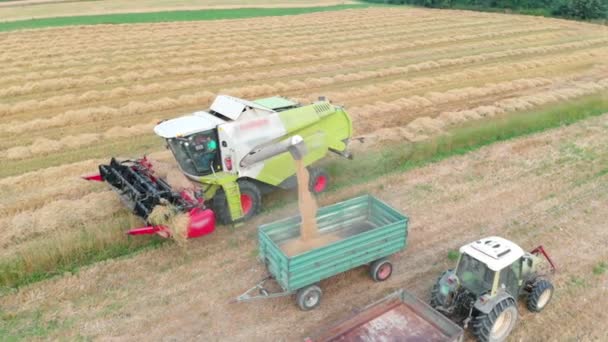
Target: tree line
[[574, 9]]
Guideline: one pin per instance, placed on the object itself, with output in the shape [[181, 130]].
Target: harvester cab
[[483, 288], [235, 151]]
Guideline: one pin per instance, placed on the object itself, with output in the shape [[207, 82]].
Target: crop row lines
[[66, 83], [89, 114], [219, 48]]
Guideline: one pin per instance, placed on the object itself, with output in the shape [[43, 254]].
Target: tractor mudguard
[[448, 283], [486, 303]]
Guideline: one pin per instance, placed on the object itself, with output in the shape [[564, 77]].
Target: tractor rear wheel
[[251, 203], [381, 269], [318, 180], [496, 325], [309, 297], [540, 296]]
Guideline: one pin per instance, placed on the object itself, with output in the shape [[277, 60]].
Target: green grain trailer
[[367, 231]]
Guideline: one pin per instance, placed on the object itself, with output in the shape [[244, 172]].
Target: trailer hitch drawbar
[[263, 292]]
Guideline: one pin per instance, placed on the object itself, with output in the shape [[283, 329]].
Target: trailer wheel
[[309, 297], [540, 296], [318, 180], [497, 324], [380, 270], [251, 203]]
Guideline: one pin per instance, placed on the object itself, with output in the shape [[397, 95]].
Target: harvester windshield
[[474, 275], [197, 154]]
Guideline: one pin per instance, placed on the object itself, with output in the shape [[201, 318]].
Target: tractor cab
[[490, 264]]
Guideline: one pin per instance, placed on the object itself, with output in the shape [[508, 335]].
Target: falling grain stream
[[309, 232]]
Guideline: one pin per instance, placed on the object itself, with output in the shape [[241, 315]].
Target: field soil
[[72, 97], [548, 189]]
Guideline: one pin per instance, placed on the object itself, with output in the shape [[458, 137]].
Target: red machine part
[[246, 203], [96, 177], [202, 222], [320, 184], [541, 250]]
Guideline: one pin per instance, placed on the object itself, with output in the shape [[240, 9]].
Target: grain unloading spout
[[295, 145], [297, 148]]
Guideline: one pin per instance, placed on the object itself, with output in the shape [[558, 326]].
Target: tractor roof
[[496, 252], [186, 125]]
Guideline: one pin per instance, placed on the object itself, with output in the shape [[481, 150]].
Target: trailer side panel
[[367, 229]]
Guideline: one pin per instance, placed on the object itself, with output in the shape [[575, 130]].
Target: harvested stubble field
[[551, 190], [72, 97]]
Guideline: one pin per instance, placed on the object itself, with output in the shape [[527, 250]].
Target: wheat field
[[72, 97]]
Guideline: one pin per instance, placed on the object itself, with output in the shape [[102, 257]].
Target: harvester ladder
[[233, 197]]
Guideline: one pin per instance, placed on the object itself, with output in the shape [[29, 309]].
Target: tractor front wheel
[[251, 203], [496, 325], [540, 296]]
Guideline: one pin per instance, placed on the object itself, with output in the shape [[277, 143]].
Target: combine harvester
[[235, 151]]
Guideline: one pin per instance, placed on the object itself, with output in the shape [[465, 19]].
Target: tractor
[[491, 274], [235, 151]]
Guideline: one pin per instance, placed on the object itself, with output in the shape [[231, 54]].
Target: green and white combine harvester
[[237, 151]]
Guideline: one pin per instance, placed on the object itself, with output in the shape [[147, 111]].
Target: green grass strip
[[398, 158], [166, 16], [54, 257]]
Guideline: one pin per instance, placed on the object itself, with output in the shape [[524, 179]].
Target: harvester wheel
[[380, 270], [496, 325], [251, 203], [318, 180], [540, 296], [309, 297]]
